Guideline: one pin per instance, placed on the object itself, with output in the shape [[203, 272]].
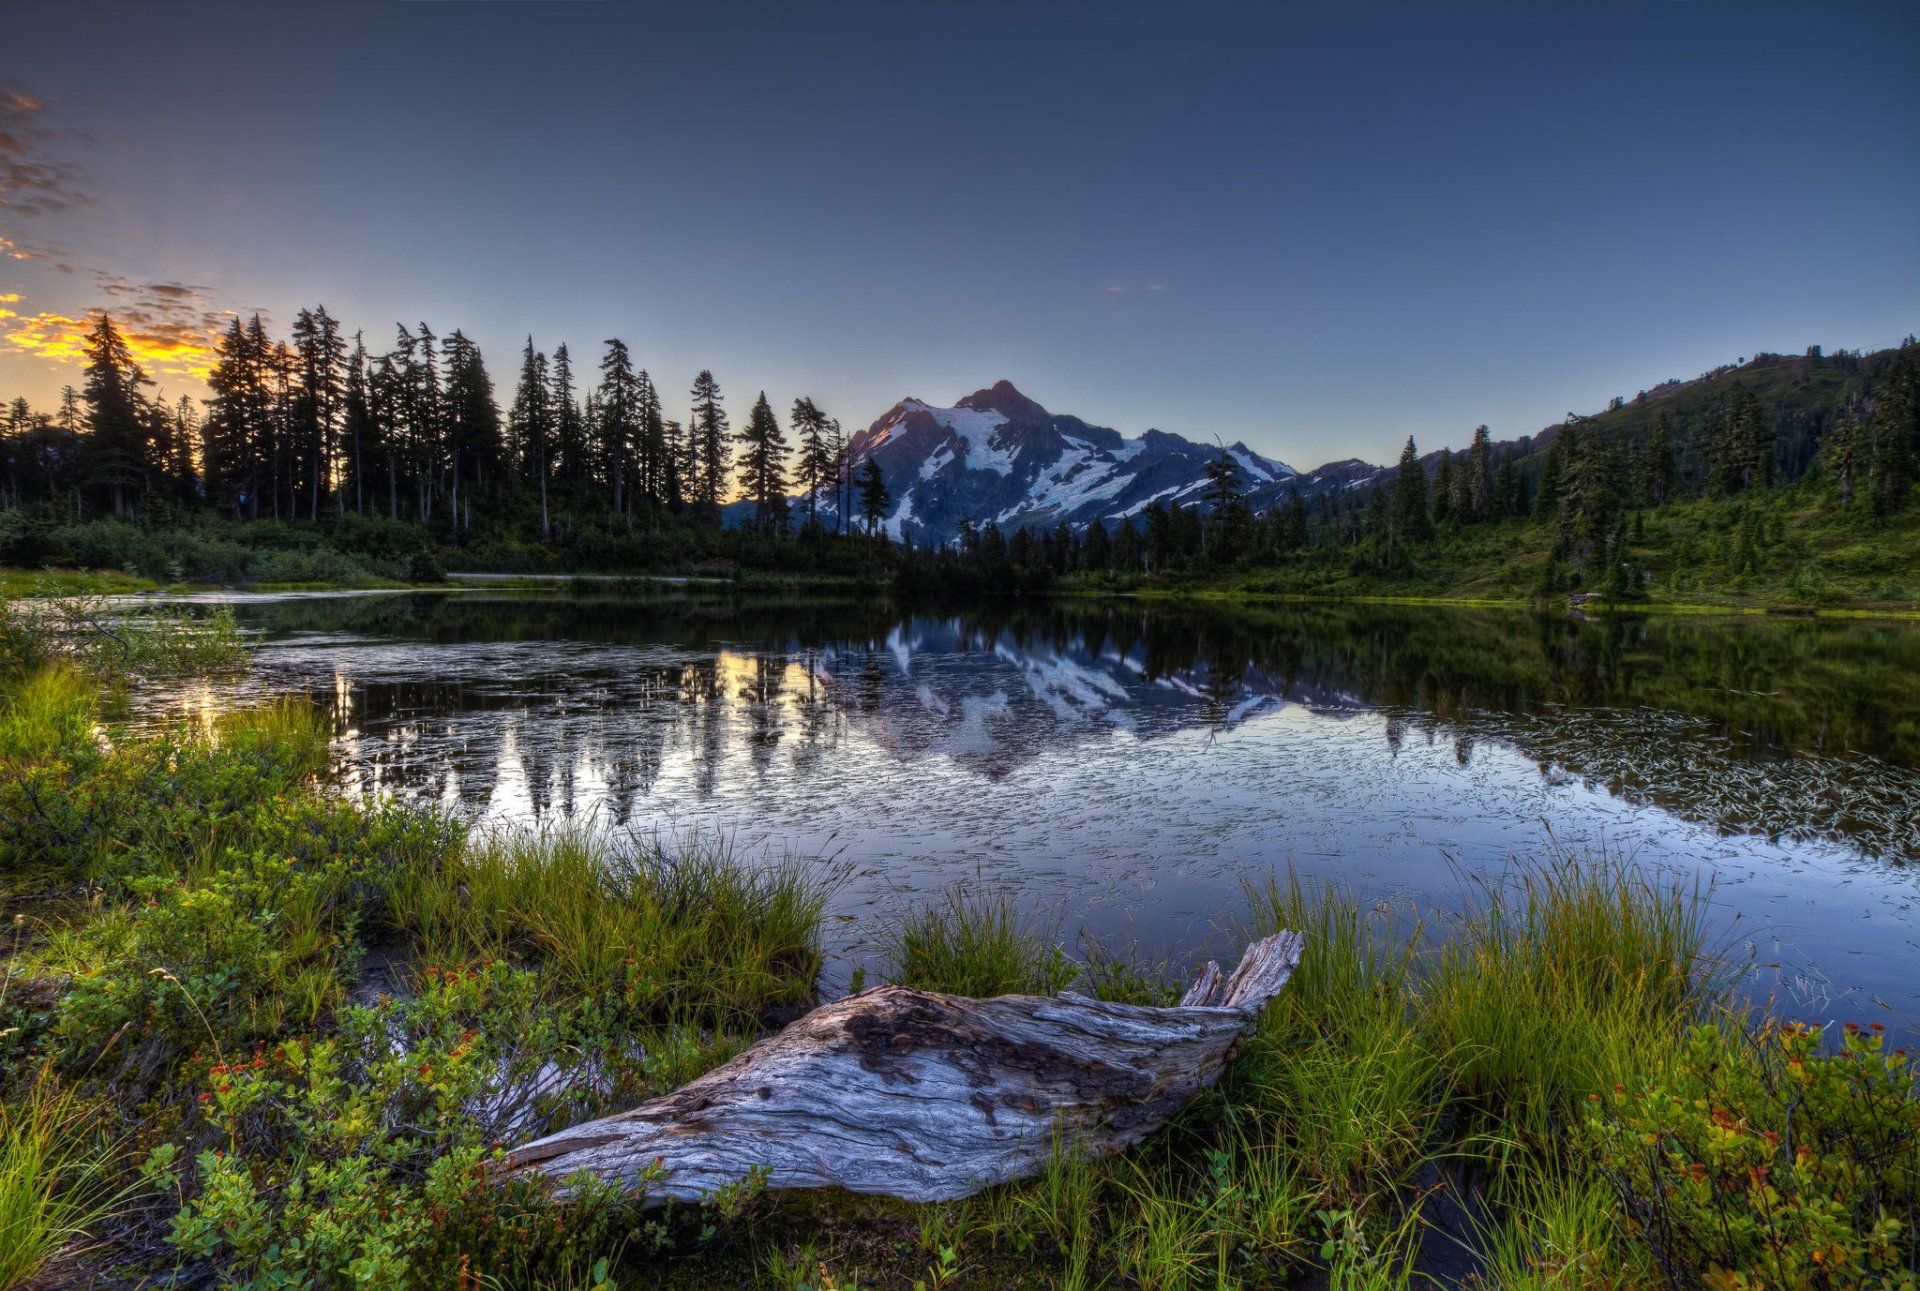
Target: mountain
[[998, 456]]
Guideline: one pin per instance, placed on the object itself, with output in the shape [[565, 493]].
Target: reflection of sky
[[1131, 804]]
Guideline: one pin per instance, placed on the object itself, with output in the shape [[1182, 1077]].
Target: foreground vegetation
[[265, 1037]]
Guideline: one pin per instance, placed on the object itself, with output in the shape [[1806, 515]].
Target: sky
[[1315, 228]]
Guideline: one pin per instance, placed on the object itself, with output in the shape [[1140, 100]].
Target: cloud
[[181, 348], [34, 181]]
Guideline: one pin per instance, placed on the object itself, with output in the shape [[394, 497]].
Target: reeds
[[670, 929], [976, 942]]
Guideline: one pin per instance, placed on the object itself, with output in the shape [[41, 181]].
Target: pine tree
[[1444, 486], [763, 467], [1656, 462], [315, 431], [709, 424], [816, 466], [1479, 479], [234, 451], [1410, 522], [1741, 454], [472, 421], [359, 443], [1294, 533], [617, 403], [1096, 552], [1894, 452], [1128, 550], [569, 428], [119, 459], [530, 424], [1232, 520], [875, 499]]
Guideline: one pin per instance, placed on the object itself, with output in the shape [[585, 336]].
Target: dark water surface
[[1128, 768]]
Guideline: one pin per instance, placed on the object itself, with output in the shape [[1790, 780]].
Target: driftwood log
[[927, 1097]]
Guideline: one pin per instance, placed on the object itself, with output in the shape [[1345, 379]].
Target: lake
[[1125, 768]]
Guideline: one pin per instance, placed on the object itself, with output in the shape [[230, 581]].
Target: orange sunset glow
[[164, 351]]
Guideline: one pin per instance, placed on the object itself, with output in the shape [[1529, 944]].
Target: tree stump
[[927, 1097]]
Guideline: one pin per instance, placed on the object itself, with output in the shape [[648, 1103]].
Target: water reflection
[[1131, 766]]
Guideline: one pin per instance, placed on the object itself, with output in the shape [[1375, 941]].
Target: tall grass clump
[[1339, 1077], [52, 1187], [1563, 979], [976, 943], [666, 928]]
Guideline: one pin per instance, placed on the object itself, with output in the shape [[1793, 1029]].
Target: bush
[[1765, 1160]]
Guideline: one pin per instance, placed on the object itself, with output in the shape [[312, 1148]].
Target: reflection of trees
[[1761, 689]]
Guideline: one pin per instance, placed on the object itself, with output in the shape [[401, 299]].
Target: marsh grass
[[1561, 979], [668, 929], [53, 1186], [976, 942]]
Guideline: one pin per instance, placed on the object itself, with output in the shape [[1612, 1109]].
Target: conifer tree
[[875, 499], [322, 356], [1410, 520], [763, 468], [119, 460], [1656, 462], [618, 408], [1232, 520], [1444, 487], [709, 424], [569, 428], [814, 471], [1294, 532], [530, 425], [1096, 552], [358, 442], [1479, 478]]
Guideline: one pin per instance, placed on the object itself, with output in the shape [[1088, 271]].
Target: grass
[[311, 1023], [53, 1190], [974, 942], [667, 929]]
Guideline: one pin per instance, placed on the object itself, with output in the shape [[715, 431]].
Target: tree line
[[318, 425], [1588, 483]]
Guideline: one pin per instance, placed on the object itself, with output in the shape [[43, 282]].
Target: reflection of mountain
[[543, 703], [994, 697]]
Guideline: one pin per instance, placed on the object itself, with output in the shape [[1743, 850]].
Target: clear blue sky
[[1316, 228]]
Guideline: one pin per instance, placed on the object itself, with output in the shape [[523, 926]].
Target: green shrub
[[1766, 1160]]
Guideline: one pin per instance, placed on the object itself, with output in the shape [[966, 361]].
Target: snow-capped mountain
[[998, 456]]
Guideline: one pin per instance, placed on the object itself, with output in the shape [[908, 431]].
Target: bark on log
[[928, 1097]]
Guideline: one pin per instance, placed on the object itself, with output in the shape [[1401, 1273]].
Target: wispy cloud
[[34, 181]]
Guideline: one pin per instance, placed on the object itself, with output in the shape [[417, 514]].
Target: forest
[[1789, 479]]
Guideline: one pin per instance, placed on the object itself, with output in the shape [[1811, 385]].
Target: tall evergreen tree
[[314, 435], [709, 425], [359, 445], [569, 428], [530, 426], [875, 498], [1479, 478], [119, 457], [618, 405], [472, 421], [763, 467], [1232, 520], [1656, 462], [1410, 520], [815, 468]]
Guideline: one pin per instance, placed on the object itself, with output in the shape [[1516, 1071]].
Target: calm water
[[1126, 770]]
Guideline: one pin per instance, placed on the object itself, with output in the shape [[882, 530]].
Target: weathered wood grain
[[927, 1097]]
